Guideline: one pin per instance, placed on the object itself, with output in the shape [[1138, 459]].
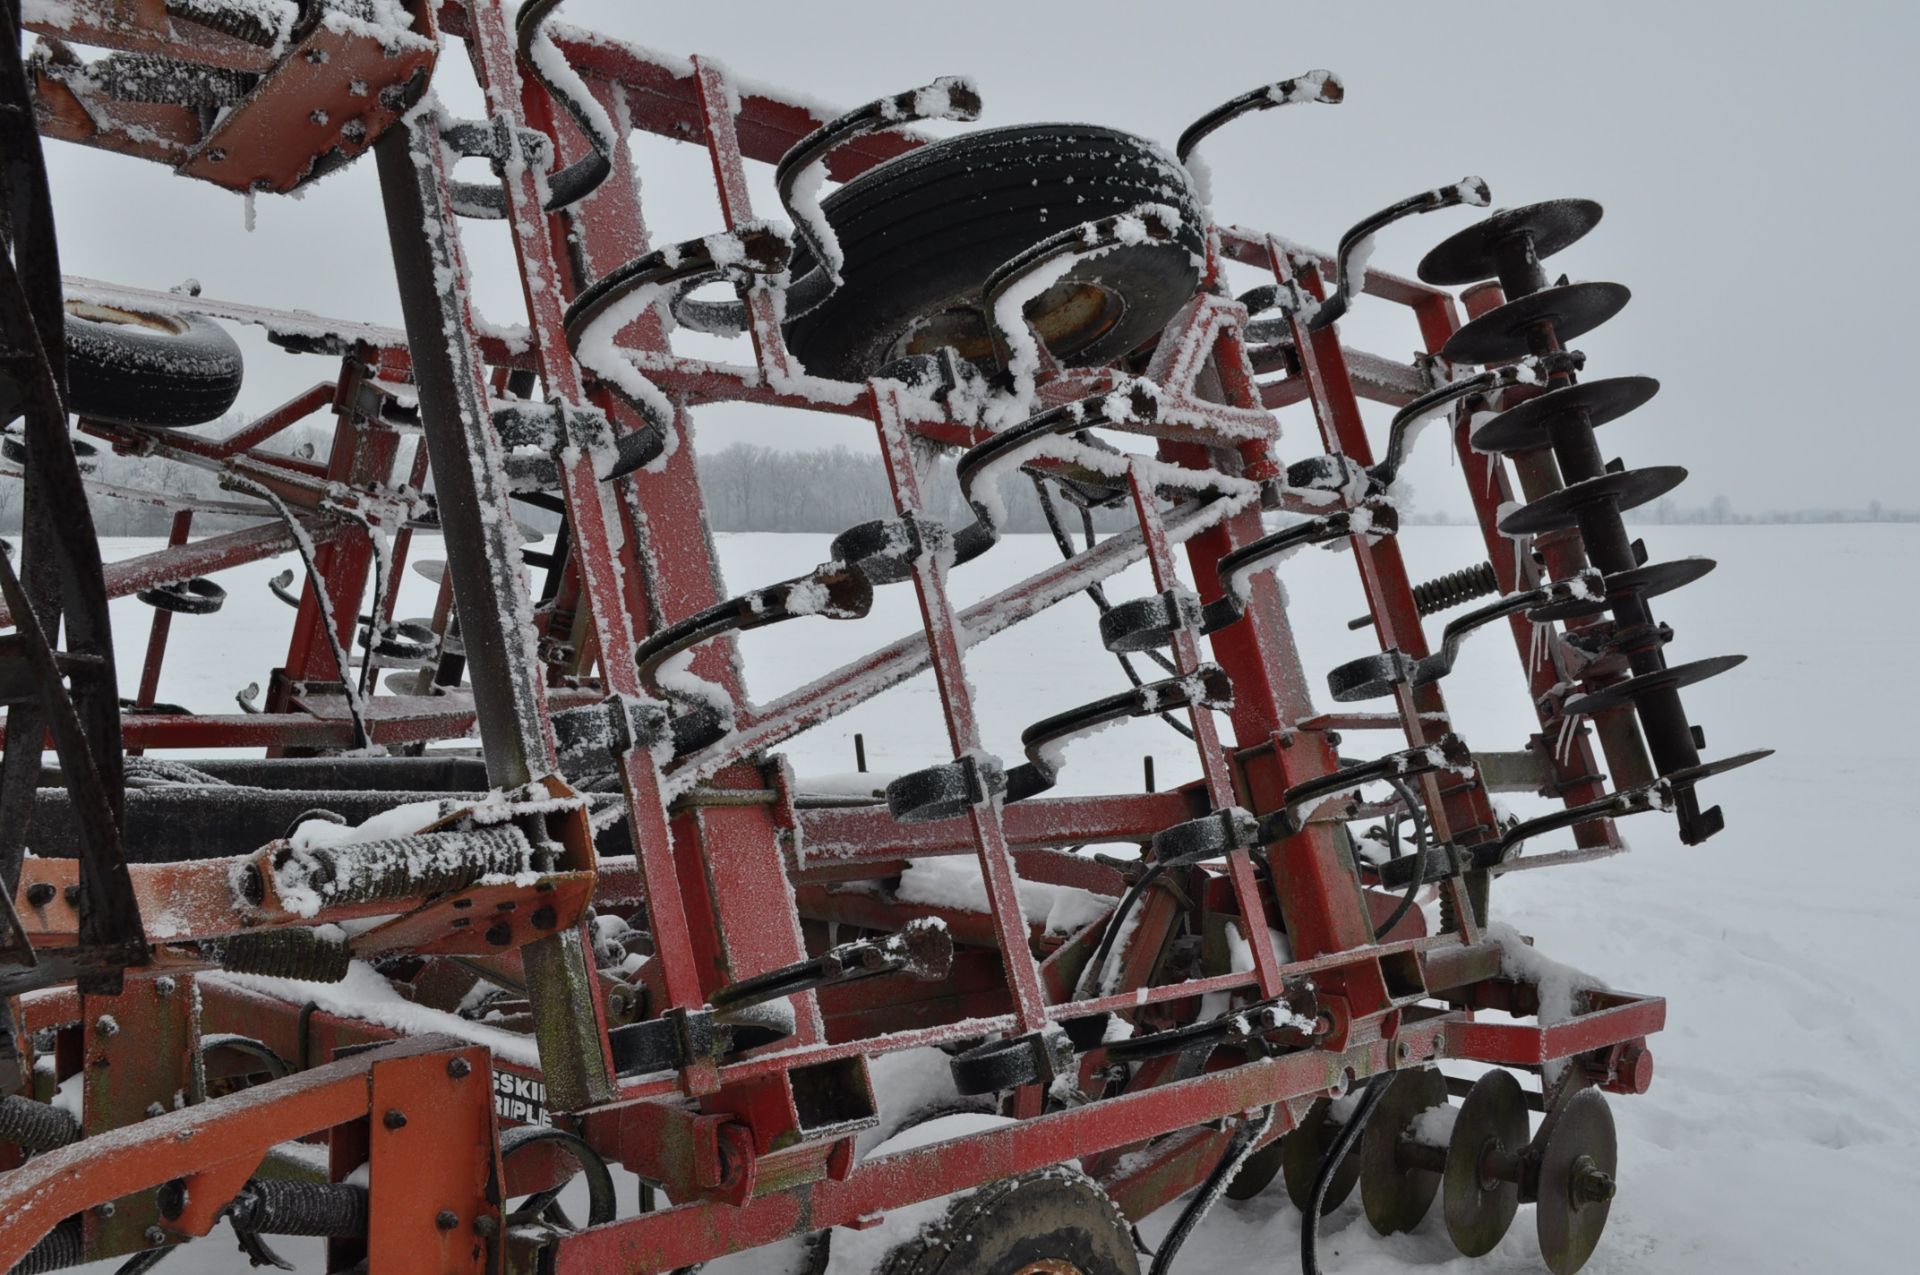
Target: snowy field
[[1783, 1129]]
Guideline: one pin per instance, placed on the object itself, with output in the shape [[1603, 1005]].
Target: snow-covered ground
[[1783, 1130]]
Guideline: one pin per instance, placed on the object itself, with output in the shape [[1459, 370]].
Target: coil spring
[[35, 1126], [61, 1248], [1456, 587], [293, 953], [271, 1207], [403, 867], [237, 20]]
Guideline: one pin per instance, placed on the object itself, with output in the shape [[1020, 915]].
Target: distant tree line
[[754, 488]]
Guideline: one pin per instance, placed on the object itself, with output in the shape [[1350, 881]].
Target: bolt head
[[446, 1219], [458, 1068], [485, 1226], [394, 1119]]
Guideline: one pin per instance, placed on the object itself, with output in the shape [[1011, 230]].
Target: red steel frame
[[730, 870]]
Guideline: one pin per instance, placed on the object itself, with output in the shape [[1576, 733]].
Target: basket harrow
[[522, 895]]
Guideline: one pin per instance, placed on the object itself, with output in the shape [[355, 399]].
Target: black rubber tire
[[162, 371], [1058, 1215], [921, 233]]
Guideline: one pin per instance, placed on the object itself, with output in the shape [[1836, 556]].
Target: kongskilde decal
[[520, 1099]]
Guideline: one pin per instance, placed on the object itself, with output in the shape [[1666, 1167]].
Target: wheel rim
[[1068, 317], [163, 324]]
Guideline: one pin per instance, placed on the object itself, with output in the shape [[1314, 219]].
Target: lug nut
[[1591, 1185]]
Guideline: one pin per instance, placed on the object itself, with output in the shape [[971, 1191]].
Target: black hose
[[1131, 897], [1420, 838], [1239, 1147], [1323, 1180], [342, 663]]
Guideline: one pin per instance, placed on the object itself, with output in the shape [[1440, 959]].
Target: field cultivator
[[520, 896]]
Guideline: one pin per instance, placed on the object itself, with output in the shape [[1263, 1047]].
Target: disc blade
[[1529, 424], [1627, 489], [1306, 1147], [1259, 1170], [1502, 333], [1578, 1143], [1395, 1194], [1479, 1207], [1649, 581], [1471, 255], [1671, 678]]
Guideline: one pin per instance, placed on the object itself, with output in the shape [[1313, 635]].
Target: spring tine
[[487, 201], [1277, 825], [948, 98], [753, 248], [1356, 244], [1314, 86]]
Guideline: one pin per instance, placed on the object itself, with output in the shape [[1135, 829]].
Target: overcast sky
[[1756, 161]]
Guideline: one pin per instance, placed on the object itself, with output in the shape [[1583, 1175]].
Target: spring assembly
[[1350, 263], [1142, 624], [139, 77], [299, 952], [1456, 588], [628, 289], [268, 1206], [1442, 593], [36, 1126], [239, 21], [1372, 676], [950, 788], [390, 869], [62, 1247]]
